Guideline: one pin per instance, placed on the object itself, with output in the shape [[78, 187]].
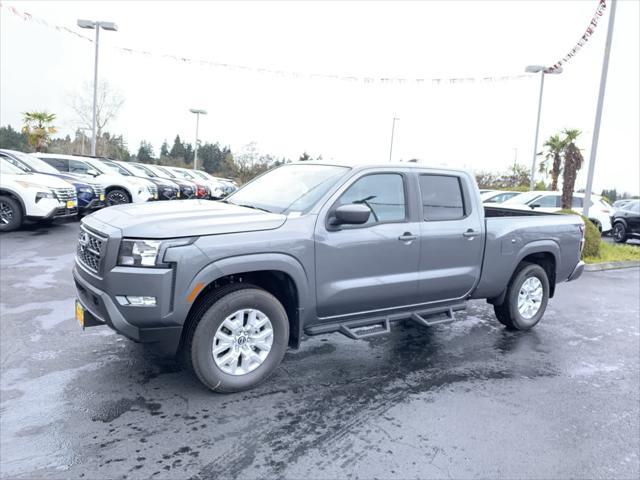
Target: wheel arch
[[11, 193], [120, 187], [279, 274]]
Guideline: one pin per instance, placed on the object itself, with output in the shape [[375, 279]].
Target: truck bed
[[512, 235]]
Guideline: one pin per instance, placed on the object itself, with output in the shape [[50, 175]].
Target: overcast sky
[[478, 125]]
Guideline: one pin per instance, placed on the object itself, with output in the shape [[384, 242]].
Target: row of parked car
[[622, 219], [48, 186]]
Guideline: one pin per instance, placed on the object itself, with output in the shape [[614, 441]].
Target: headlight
[[139, 253], [147, 253], [41, 195], [86, 190]]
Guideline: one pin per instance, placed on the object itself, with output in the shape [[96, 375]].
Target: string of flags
[[322, 76], [602, 6]]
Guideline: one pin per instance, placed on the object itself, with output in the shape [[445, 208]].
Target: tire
[[116, 196], [10, 214], [619, 232], [509, 313], [208, 321]]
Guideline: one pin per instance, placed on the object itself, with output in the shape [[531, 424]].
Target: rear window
[[442, 197]]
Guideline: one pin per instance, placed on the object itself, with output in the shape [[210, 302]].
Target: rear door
[[451, 237], [364, 268]]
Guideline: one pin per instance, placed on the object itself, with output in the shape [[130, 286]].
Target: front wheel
[[117, 196], [526, 299], [10, 214], [619, 233], [240, 337]]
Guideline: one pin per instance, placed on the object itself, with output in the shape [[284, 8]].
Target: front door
[[363, 268]]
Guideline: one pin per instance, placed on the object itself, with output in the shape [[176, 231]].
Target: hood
[[161, 182], [45, 180], [186, 218]]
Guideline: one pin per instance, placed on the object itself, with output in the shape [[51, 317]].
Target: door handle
[[470, 234], [407, 237]]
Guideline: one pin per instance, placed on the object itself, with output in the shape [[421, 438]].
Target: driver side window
[[383, 193], [76, 166]]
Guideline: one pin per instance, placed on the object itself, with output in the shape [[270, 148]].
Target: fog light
[[136, 301]]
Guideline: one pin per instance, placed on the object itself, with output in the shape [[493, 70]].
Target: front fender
[[237, 265]]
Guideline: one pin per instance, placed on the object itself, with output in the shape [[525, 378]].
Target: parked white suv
[[32, 196], [547, 201], [118, 188]]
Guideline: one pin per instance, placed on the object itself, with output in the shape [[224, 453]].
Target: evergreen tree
[[177, 151]]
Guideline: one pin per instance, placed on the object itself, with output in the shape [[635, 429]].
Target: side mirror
[[92, 172], [351, 214]]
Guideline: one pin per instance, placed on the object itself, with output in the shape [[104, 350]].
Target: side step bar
[[372, 326]]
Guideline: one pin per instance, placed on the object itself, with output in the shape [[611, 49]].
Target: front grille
[[97, 189], [65, 194], [186, 192], [90, 249]]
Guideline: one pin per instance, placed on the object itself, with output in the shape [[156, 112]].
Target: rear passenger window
[[383, 193], [442, 197], [576, 202]]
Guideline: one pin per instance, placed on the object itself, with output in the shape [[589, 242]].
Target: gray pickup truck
[[311, 248]]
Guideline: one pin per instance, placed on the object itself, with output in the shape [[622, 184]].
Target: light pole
[[82, 129], [97, 25], [536, 69], [596, 127], [393, 128], [198, 112]]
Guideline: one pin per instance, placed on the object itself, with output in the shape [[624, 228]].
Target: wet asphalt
[[464, 400]]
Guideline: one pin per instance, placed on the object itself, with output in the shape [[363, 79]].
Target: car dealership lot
[[467, 399]]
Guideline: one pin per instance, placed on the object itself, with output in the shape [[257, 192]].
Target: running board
[[373, 326]]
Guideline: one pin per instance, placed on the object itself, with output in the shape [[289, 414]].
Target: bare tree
[[108, 106]]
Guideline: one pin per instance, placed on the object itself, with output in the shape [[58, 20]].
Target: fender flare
[[537, 246], [239, 264], [620, 220]]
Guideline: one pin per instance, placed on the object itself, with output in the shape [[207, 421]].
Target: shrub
[[592, 237]]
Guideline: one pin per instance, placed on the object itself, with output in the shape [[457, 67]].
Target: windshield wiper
[[248, 205]]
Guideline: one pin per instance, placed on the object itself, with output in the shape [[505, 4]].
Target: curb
[[598, 267]]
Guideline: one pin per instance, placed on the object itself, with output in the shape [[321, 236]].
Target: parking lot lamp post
[[97, 25], [198, 112], [393, 128], [536, 69]]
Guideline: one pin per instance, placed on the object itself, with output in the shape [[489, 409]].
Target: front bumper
[[103, 310], [577, 272]]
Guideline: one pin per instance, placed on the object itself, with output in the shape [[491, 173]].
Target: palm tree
[[38, 129], [555, 147], [573, 160]]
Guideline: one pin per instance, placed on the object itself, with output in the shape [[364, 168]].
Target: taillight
[[582, 228], [605, 210]]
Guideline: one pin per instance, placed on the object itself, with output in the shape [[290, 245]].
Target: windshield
[[147, 171], [291, 188], [166, 172], [117, 168], [136, 170], [523, 198], [35, 163], [6, 167]]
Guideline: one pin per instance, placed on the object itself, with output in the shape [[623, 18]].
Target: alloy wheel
[[116, 198], [242, 342], [530, 297], [6, 213]]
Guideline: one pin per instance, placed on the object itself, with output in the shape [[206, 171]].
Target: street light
[[198, 112], [97, 25], [393, 128], [536, 69]]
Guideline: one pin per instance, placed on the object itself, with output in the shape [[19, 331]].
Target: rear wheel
[[117, 196], [10, 214], [526, 299], [619, 233], [239, 338]]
